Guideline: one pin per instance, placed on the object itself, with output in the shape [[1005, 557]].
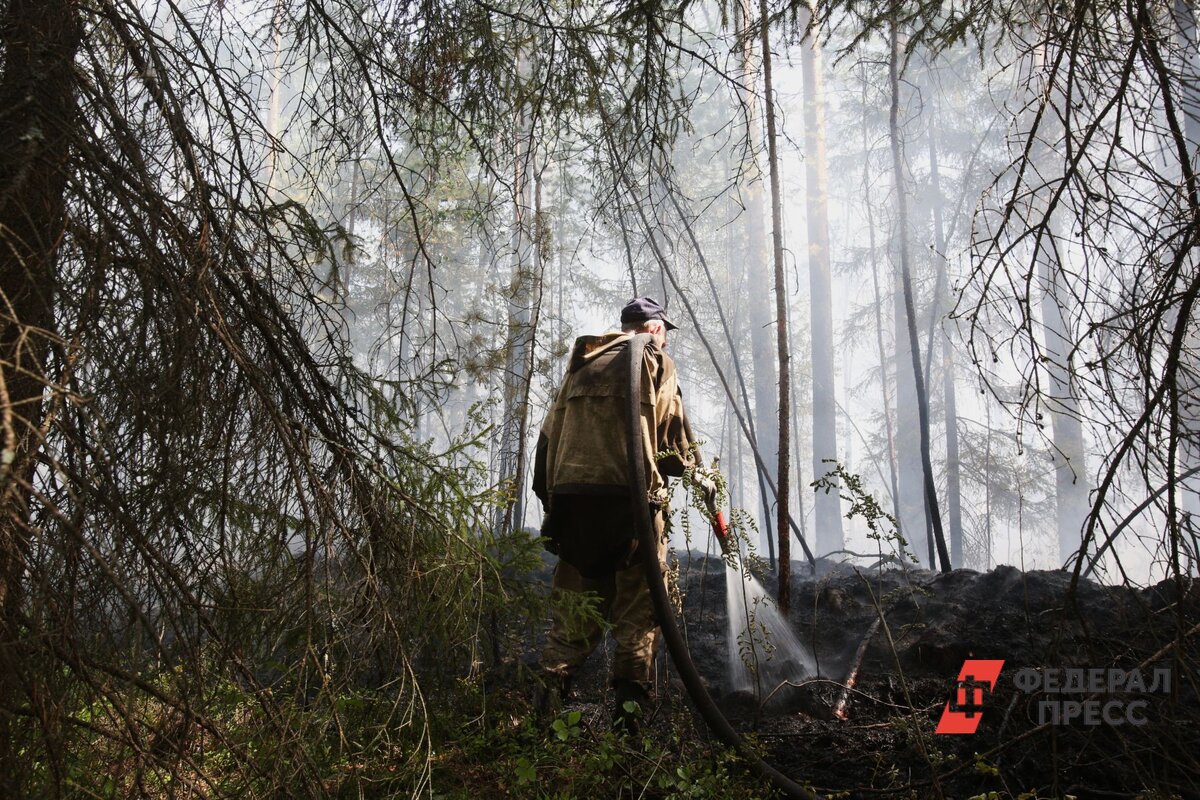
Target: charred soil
[[886, 744]]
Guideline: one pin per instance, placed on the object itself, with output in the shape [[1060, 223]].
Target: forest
[[292, 290]]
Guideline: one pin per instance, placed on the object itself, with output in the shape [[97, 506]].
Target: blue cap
[[641, 309]]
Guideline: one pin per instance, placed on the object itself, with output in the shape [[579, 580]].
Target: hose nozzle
[[721, 531], [720, 527]]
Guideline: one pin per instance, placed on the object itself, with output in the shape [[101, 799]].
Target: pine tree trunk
[[521, 289], [910, 498], [38, 116], [1070, 463], [796, 442], [930, 489], [953, 496], [987, 485], [883, 370], [766, 423], [828, 518], [1070, 458], [1189, 389], [783, 531]]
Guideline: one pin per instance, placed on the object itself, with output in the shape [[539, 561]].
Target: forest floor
[[886, 745]]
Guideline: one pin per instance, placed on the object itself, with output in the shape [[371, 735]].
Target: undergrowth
[[511, 753]]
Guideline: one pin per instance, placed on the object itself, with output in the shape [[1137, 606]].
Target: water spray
[[762, 649], [676, 644]]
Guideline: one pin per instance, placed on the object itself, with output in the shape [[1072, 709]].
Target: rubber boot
[[632, 704], [553, 691]]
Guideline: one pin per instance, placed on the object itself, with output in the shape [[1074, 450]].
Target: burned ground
[[887, 746]]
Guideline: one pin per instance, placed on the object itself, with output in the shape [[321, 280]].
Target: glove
[[706, 483]]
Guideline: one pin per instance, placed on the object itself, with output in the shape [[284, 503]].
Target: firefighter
[[581, 476]]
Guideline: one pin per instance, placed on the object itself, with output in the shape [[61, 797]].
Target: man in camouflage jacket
[[581, 476]]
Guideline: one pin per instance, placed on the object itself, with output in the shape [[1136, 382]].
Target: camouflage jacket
[[582, 446]]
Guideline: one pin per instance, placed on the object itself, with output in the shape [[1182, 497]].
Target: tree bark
[[828, 517], [781, 321], [757, 285], [38, 117], [517, 367]]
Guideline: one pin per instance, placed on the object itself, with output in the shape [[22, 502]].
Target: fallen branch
[[839, 709]]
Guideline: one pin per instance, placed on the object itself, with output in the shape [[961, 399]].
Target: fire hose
[[647, 543]]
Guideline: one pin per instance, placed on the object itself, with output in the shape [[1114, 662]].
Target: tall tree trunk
[[883, 370], [521, 289], [737, 491], [538, 247], [953, 496], [796, 442], [828, 517], [38, 117], [1189, 390], [987, 486], [783, 532], [758, 285], [910, 495], [1070, 462], [930, 493], [953, 459], [1070, 458]]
